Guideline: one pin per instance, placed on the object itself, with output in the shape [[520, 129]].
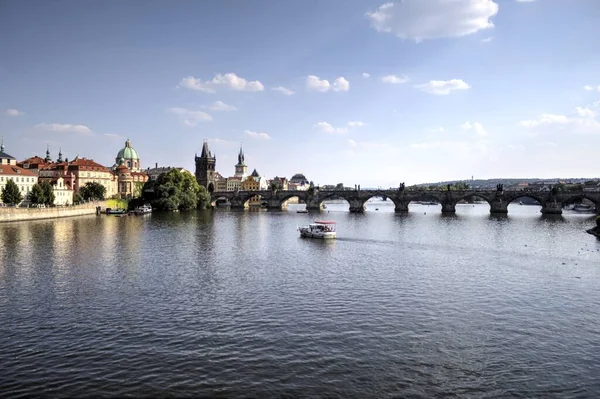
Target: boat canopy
[[324, 222]]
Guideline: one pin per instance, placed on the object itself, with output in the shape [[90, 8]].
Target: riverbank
[[9, 214]]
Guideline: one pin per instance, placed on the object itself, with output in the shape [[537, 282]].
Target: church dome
[[128, 152]]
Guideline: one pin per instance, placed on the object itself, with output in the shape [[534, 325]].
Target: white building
[[9, 170], [63, 194]]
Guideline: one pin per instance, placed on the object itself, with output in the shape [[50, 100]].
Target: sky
[[354, 91]]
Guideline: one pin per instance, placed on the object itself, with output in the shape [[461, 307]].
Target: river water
[[235, 304]]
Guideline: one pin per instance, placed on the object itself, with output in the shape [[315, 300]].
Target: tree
[[93, 191], [176, 190], [461, 185], [11, 194], [138, 189], [339, 186], [48, 190], [37, 195], [77, 199]]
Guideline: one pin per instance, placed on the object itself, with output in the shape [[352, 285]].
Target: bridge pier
[[274, 204], [236, 203], [401, 207], [448, 207], [313, 204], [498, 206], [552, 208], [356, 205]]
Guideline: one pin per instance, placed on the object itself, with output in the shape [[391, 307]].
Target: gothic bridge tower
[[205, 168]]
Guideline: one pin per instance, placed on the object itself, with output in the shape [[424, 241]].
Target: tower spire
[[241, 155], [48, 159], [2, 144], [59, 155]]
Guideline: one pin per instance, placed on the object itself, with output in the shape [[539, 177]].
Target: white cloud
[[257, 135], [443, 87], [476, 126], [328, 128], [221, 106], [355, 124], [14, 112], [487, 39], [65, 128], [314, 83], [352, 143], [545, 119], [228, 80], [283, 90], [432, 19], [341, 84], [366, 75], [189, 117], [583, 122], [585, 112], [393, 79], [591, 88]]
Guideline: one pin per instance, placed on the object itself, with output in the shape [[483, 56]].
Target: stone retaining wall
[[9, 214]]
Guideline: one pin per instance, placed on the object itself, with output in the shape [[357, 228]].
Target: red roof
[[12, 170]]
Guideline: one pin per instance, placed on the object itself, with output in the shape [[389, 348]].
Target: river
[[235, 304]]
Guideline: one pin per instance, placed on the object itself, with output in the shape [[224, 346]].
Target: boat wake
[[366, 241]]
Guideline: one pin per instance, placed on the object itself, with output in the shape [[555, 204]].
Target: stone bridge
[[552, 202]]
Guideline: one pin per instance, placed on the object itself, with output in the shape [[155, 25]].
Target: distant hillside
[[510, 181]]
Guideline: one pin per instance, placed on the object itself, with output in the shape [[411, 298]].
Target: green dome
[[128, 152]]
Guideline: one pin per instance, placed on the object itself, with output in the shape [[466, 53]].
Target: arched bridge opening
[[334, 202], [379, 203], [293, 203], [580, 204], [424, 202], [524, 203], [473, 204]]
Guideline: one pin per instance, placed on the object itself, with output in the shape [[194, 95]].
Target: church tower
[[241, 170], [205, 168]]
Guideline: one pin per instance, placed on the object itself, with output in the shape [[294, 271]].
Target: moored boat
[[143, 210], [110, 211], [322, 229]]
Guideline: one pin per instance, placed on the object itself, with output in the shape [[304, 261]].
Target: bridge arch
[[576, 197], [285, 197], [526, 194], [474, 195], [423, 196], [379, 194], [332, 196]]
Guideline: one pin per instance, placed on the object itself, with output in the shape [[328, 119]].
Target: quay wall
[[10, 214]]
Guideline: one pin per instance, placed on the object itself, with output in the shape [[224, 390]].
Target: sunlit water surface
[[235, 304]]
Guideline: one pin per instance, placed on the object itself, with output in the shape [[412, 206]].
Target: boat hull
[[318, 235]]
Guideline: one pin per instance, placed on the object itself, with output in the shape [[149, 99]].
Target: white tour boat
[[318, 229]]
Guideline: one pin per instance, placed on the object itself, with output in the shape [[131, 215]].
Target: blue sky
[[370, 93]]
